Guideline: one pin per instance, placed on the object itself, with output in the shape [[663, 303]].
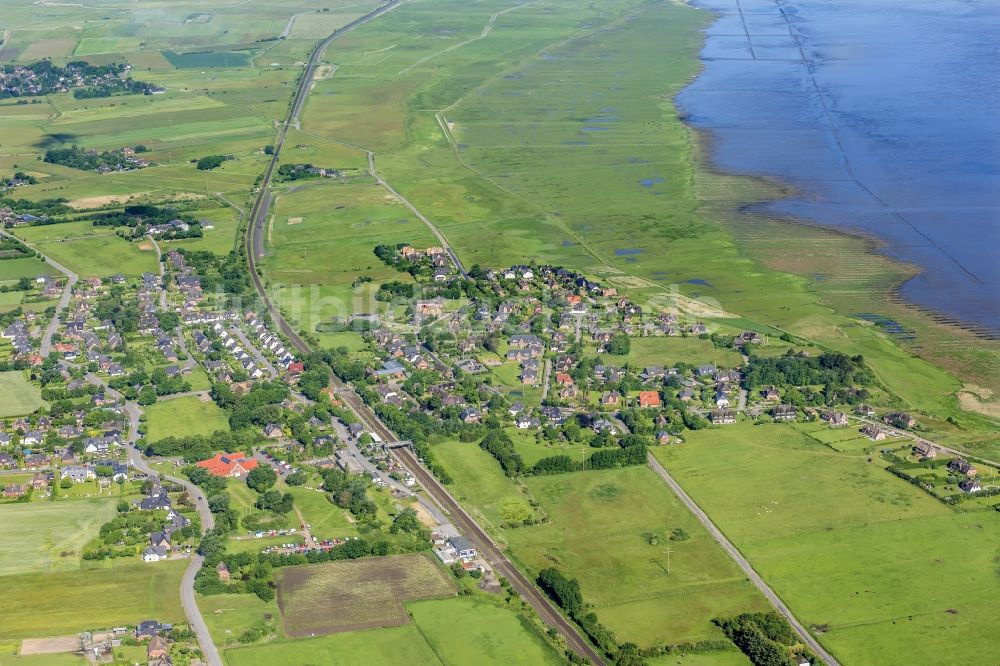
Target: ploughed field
[[357, 594]]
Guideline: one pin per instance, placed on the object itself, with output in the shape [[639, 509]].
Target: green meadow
[[183, 417], [66, 602], [610, 529], [873, 565], [47, 537], [478, 482], [17, 396], [490, 635]]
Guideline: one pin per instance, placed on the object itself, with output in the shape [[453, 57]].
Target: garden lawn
[[876, 563], [183, 417], [49, 536], [17, 396]]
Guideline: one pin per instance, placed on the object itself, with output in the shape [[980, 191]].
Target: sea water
[[885, 117]]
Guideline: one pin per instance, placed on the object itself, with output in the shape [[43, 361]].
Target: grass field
[[356, 594], [393, 646], [17, 396], [478, 482], [90, 255], [182, 417], [228, 615], [14, 269], [881, 567], [601, 531], [489, 635], [65, 602], [49, 536], [667, 351], [327, 519]]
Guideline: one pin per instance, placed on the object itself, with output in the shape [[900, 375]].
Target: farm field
[[393, 646], [356, 594], [182, 417], [95, 254], [66, 602], [49, 536], [491, 635], [17, 396], [859, 566], [611, 530]]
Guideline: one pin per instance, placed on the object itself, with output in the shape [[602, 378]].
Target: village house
[[649, 399], [611, 398], [970, 486], [962, 466], [900, 420], [925, 450], [722, 416], [873, 433], [835, 419]]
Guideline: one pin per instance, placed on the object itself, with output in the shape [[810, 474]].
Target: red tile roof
[[649, 399], [229, 464]]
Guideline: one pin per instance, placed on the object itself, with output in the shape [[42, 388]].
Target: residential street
[[137, 460]]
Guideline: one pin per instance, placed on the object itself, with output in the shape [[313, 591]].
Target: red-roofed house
[[229, 464], [649, 399], [296, 368], [564, 379]]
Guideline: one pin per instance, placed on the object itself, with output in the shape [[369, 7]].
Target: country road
[[413, 209], [254, 248], [71, 279], [743, 563]]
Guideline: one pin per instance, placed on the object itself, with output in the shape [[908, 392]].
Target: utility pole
[[669, 550]]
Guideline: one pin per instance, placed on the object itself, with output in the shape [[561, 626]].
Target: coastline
[[969, 352]]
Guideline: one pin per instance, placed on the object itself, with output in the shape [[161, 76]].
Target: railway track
[[460, 518]]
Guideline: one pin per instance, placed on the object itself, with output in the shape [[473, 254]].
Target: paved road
[[163, 274], [254, 351], [291, 22], [135, 457], [413, 209], [545, 379], [743, 563], [71, 279], [917, 438]]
